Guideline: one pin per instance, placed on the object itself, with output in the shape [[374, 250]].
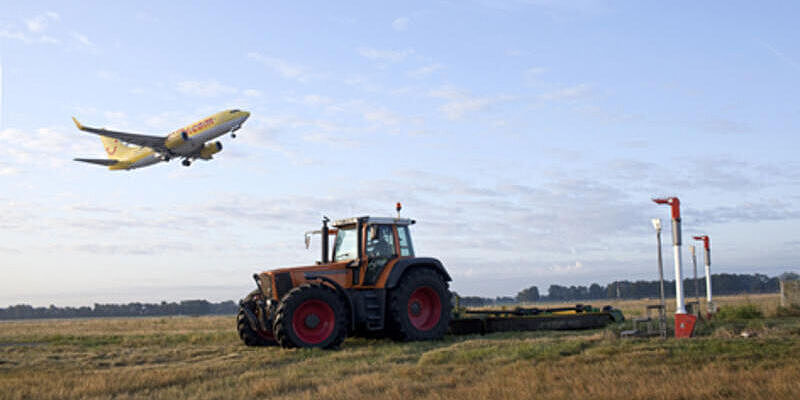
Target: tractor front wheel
[[311, 315], [419, 307], [248, 335]]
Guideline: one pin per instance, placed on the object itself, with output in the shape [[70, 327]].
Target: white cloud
[[82, 39], [532, 74], [457, 109], [43, 147], [48, 39], [39, 23], [332, 140], [460, 103], [204, 88], [8, 170], [425, 71], [567, 269], [34, 31], [282, 67], [106, 75], [36, 24], [16, 35], [385, 55], [252, 93], [400, 24], [21, 36], [567, 93], [382, 116], [316, 100], [147, 17], [114, 115]]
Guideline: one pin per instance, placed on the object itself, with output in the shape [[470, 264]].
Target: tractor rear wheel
[[249, 336], [419, 307], [311, 315]]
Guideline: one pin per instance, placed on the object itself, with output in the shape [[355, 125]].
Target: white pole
[[675, 204], [708, 284], [679, 306], [707, 247], [662, 313]]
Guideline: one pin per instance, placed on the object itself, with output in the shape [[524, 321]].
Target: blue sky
[[526, 137]]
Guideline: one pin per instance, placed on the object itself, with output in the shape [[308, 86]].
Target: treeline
[[185, 307], [721, 284]]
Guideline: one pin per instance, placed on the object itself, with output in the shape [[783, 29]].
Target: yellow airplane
[[188, 142]]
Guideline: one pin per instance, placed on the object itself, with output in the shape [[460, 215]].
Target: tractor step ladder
[[374, 306], [652, 327]]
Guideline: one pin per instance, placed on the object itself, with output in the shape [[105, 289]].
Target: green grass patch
[[739, 312]]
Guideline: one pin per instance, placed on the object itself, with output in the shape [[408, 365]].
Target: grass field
[[202, 357]]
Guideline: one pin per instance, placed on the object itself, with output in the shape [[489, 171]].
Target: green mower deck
[[483, 321]]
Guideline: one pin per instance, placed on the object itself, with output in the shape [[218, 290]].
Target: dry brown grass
[[177, 358]]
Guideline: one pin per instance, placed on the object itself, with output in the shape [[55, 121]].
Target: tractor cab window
[[405, 241], [380, 241], [346, 246], [380, 249]]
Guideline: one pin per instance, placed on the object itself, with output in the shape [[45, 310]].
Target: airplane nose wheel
[[186, 163], [233, 135]]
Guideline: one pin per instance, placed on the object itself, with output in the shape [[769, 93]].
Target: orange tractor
[[371, 284]]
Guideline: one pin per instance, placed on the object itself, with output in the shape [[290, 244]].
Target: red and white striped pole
[[676, 247], [707, 246]]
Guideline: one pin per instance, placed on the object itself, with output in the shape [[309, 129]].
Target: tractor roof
[[373, 220]]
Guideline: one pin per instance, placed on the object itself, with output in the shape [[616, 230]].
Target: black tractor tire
[[311, 315], [419, 307], [249, 336]]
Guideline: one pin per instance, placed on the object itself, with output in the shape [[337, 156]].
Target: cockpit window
[[234, 111]]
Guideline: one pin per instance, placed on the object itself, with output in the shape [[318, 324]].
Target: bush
[[791, 311], [744, 311]]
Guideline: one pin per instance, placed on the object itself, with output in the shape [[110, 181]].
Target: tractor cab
[[368, 244]]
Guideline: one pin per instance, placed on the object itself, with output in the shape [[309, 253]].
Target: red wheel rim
[[424, 308], [313, 321]]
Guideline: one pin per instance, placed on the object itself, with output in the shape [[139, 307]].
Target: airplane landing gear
[[233, 135], [186, 163]]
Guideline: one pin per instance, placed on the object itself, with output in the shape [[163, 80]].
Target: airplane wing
[[97, 161], [154, 142]]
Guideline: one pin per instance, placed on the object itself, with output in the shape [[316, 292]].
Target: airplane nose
[[246, 114]]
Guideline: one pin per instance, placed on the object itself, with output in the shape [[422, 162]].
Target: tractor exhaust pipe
[[325, 234]]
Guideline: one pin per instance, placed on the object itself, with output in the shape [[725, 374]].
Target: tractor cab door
[[379, 249]]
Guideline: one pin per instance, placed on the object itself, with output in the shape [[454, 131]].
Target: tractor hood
[[275, 283]]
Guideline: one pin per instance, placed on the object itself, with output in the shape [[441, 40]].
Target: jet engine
[[210, 149], [176, 139]]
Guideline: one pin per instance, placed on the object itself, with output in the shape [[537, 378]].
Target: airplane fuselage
[[186, 143]]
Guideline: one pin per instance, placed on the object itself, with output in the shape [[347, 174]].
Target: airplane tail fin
[[115, 149]]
